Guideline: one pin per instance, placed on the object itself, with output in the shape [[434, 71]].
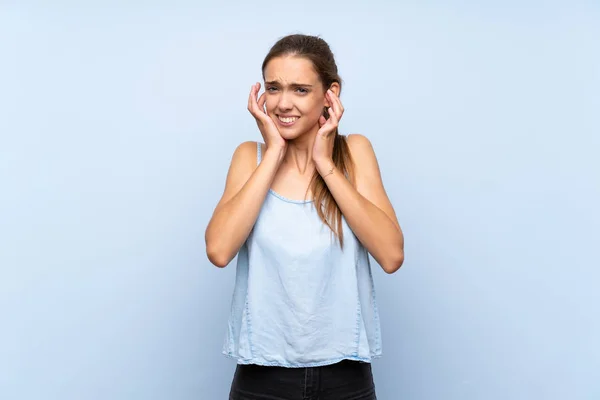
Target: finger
[[253, 104], [336, 104], [328, 126], [340, 107], [333, 117], [261, 102], [322, 121], [251, 96]]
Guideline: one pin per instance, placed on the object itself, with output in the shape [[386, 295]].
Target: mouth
[[287, 121]]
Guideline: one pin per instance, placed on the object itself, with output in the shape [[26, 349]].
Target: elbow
[[394, 263], [218, 262], [216, 256], [217, 259]]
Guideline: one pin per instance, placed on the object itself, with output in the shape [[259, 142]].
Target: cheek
[[270, 104], [316, 111], [312, 108]]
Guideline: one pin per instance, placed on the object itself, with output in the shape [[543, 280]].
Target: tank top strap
[[258, 153]]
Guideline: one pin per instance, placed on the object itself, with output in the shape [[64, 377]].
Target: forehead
[[291, 69]]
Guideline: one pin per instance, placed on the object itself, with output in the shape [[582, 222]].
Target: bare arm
[[367, 208], [235, 214]]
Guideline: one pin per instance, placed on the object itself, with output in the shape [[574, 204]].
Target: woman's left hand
[[323, 148]]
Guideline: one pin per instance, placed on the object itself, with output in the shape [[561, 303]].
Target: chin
[[290, 134]]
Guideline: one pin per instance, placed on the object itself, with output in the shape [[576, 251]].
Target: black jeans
[[346, 380]]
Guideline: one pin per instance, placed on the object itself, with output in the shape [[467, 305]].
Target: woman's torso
[[299, 299]]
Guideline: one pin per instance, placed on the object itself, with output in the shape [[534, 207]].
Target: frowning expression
[[295, 95]]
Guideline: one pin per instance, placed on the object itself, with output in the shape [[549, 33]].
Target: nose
[[284, 103]]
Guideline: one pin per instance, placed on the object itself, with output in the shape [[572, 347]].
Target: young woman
[[302, 211]]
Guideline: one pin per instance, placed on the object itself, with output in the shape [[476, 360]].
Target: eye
[[271, 88], [302, 90]]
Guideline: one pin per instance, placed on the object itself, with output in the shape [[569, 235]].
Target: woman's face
[[295, 96]]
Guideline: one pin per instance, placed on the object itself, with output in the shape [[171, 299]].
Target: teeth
[[288, 120]]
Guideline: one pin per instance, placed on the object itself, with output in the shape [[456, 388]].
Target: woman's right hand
[[266, 125]]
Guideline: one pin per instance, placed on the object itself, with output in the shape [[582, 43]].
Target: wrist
[[275, 153], [325, 167]]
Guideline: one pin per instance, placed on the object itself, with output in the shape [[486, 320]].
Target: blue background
[[117, 124]]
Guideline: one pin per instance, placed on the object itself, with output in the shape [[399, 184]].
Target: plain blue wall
[[117, 125]]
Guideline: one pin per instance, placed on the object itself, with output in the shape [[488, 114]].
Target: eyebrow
[[291, 84]]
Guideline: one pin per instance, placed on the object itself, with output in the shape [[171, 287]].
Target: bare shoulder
[[245, 152], [357, 139], [243, 164], [363, 155], [368, 175], [243, 160]]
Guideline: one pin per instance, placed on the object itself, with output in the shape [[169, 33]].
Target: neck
[[299, 152]]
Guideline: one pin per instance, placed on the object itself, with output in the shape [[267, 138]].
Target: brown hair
[[318, 52]]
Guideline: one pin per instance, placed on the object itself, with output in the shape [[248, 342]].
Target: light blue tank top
[[300, 300]]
